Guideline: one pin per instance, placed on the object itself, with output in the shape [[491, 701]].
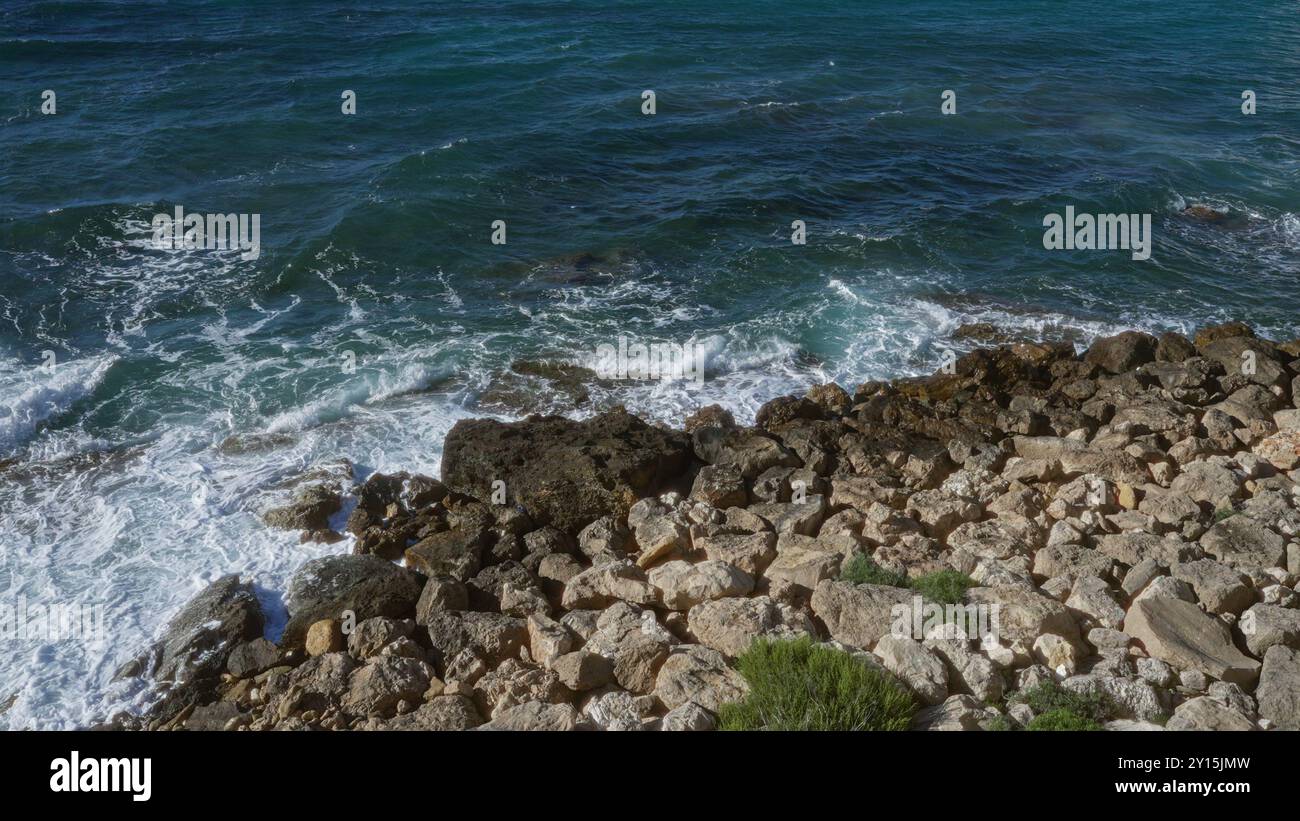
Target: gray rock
[[920, 670], [1205, 713], [1180, 634], [731, 625], [683, 585], [1278, 693], [696, 674], [535, 715], [602, 585], [1244, 543], [199, 640], [376, 688], [688, 717], [326, 588], [1266, 625], [857, 615], [565, 473]]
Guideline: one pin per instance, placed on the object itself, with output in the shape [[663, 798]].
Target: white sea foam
[[31, 394]]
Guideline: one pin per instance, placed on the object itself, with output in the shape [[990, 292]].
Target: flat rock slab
[[565, 473], [1181, 634]]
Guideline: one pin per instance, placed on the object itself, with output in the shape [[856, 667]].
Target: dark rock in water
[[241, 444], [199, 640], [565, 473], [324, 536], [367, 585], [1122, 352], [379, 491], [310, 510], [532, 385], [987, 333], [1227, 330], [1205, 213], [1174, 347]]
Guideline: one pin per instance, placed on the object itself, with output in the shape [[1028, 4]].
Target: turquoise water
[[375, 235]]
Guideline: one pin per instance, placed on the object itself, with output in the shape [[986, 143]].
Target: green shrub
[[999, 724], [1061, 719], [943, 586], [795, 684], [860, 569], [1051, 697]]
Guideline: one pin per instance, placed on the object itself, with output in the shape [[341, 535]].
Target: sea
[[156, 398]]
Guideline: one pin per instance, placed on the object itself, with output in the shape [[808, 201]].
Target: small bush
[[798, 685], [860, 569], [999, 724], [943, 586], [1051, 697], [1060, 719]]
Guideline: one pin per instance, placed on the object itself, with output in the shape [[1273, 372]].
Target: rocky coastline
[[1130, 513]]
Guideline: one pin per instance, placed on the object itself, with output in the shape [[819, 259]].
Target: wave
[[31, 395]]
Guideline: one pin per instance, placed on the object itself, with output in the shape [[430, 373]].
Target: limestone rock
[[1179, 633], [731, 625]]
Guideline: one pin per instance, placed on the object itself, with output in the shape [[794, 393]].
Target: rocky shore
[[1129, 513]]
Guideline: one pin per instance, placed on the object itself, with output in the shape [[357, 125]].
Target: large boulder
[[1244, 543], [694, 674], [743, 450], [199, 639], [1122, 352], [326, 588], [731, 625], [683, 585], [310, 509], [1078, 458], [565, 473], [857, 614], [1182, 635]]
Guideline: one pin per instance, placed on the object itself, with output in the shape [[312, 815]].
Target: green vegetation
[[1061, 709], [860, 569], [940, 587], [943, 586], [1055, 720], [999, 724], [799, 685]]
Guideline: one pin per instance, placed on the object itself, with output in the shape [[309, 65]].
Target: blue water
[[375, 230]]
